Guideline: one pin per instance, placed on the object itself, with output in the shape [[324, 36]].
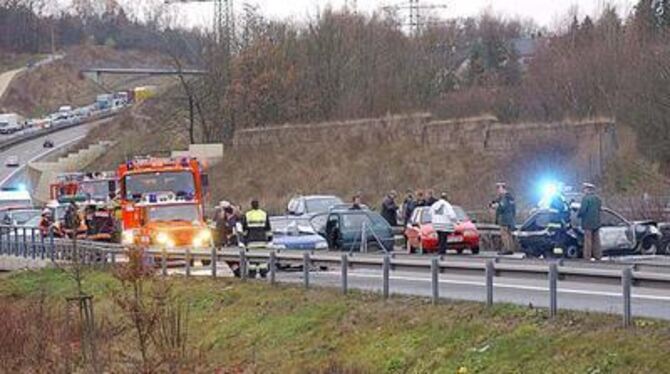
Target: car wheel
[[649, 246], [206, 262], [666, 248], [475, 250], [572, 251]]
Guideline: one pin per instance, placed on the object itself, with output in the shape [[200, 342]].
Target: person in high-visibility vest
[[256, 227]]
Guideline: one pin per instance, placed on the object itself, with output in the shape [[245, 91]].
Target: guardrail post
[[553, 290], [188, 262], [490, 270], [164, 262], [42, 246], [52, 247], [345, 271], [273, 267], [435, 279], [305, 268], [32, 243], [113, 255], [626, 282], [213, 262], [243, 265], [17, 248], [386, 269], [24, 243], [2, 240]]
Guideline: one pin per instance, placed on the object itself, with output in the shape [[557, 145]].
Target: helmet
[[46, 212]]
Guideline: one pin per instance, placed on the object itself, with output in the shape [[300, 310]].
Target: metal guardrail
[[27, 243]]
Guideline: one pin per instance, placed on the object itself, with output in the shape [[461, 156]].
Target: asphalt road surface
[[33, 150]]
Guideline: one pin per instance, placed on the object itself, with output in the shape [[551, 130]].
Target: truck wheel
[[264, 273], [252, 274]]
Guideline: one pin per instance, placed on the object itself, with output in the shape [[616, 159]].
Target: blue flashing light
[[548, 191], [153, 198]]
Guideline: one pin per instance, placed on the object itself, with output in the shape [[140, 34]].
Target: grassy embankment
[[253, 327]]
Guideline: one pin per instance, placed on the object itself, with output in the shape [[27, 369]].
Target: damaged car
[[547, 233]]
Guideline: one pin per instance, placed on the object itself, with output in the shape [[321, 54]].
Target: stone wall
[[591, 142]]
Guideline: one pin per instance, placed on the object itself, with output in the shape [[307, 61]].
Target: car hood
[[460, 226]]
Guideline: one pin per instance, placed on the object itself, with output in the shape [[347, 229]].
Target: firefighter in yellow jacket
[[256, 227]]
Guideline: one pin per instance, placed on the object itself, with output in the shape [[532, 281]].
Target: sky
[[547, 13]]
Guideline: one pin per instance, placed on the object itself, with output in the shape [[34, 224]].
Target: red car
[[419, 233]]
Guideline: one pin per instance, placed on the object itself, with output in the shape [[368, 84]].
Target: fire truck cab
[[162, 202], [167, 222]]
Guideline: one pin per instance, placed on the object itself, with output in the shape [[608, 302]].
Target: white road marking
[[37, 157], [510, 286]]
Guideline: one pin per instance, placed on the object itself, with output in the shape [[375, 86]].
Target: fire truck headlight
[[162, 238], [127, 237], [197, 242], [170, 243], [205, 235]]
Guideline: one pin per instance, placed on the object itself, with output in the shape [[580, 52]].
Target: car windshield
[[16, 203], [185, 212], [97, 190], [178, 182], [21, 217], [321, 204], [291, 226], [354, 221], [461, 216]]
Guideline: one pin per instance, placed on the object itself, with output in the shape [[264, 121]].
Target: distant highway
[[33, 150]]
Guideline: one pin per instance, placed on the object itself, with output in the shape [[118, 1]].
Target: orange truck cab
[[168, 223], [162, 202]]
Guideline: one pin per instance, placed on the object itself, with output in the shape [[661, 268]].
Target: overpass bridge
[[97, 72]]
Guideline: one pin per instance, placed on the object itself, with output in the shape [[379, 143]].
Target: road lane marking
[[37, 157], [509, 286]]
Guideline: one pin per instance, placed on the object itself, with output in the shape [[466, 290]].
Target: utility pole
[[224, 18], [416, 19]]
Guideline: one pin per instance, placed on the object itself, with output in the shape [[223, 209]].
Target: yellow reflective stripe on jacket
[[256, 218]]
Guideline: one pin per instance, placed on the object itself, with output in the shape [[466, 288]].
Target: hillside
[[229, 326], [29, 95]]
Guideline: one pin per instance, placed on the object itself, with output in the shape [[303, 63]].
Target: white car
[[12, 161]]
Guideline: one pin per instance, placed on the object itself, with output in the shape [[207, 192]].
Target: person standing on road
[[256, 227], [420, 200], [589, 214], [505, 209], [431, 199], [390, 209], [408, 207], [443, 218]]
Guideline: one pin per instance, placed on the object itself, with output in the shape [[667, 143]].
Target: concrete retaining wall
[[590, 142], [209, 152], [42, 174]]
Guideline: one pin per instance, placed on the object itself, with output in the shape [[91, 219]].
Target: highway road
[[33, 150]]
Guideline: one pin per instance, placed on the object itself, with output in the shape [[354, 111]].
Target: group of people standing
[[504, 208]]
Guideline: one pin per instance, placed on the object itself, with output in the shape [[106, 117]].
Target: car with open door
[[348, 229]]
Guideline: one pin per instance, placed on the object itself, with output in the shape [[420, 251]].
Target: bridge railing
[[29, 243]]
